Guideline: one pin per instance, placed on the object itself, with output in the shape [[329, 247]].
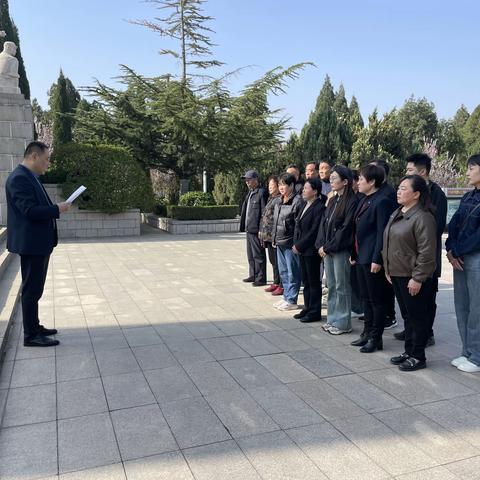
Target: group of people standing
[[372, 244]]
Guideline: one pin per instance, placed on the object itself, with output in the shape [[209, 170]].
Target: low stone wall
[[187, 227], [89, 224]]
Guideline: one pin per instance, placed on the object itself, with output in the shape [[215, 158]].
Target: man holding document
[[32, 234]]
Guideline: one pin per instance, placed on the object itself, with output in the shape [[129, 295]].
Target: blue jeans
[[339, 303], [466, 286], [289, 268]]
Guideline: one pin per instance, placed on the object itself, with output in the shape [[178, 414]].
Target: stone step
[[10, 282]]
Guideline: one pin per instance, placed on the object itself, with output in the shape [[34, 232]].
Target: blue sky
[[382, 50]]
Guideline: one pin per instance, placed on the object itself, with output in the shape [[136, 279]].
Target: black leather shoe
[[311, 318], [400, 336], [248, 280], [411, 364], [431, 341], [300, 314], [40, 341], [258, 284], [47, 331], [371, 346], [399, 359], [360, 342]]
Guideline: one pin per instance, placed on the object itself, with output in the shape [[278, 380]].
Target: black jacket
[[31, 225], [284, 217], [258, 200], [336, 232], [370, 220], [388, 191], [440, 204], [306, 228]]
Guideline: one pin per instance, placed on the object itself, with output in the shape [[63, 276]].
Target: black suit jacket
[[306, 228], [440, 204], [258, 200], [31, 225], [370, 220]]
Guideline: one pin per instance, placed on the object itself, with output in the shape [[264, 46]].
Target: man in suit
[[251, 215], [32, 234]]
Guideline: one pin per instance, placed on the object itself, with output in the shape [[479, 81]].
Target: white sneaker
[[288, 306], [327, 327], [338, 331], [468, 366], [458, 361], [278, 304]]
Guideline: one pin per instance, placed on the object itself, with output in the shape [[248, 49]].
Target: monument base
[[16, 132]]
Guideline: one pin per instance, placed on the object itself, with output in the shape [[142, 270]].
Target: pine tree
[[319, 134], [343, 134], [186, 24], [461, 117], [63, 101], [355, 120], [11, 30]]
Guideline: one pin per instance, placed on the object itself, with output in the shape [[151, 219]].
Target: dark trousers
[[417, 318], [432, 309], [34, 273], [312, 285], [272, 257], [357, 305], [372, 291], [389, 298], [257, 260]]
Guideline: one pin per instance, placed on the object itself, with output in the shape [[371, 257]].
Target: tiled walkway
[[171, 368]]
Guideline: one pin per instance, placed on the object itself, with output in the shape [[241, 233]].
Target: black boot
[[372, 346], [361, 341]]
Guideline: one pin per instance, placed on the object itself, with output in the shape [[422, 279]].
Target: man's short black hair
[[292, 165], [474, 160], [381, 162], [420, 160], [317, 165], [287, 179], [373, 172], [35, 147]]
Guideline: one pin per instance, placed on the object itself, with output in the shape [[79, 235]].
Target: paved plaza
[[171, 368]]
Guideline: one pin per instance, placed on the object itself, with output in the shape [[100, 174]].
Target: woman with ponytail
[[409, 256]]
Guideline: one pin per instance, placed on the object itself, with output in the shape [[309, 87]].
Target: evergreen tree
[[11, 30], [319, 134], [461, 117], [355, 120], [344, 136], [63, 101], [471, 132], [186, 24]]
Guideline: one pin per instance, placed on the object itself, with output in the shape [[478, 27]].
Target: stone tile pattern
[[171, 368]]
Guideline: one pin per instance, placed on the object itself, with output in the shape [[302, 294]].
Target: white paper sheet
[[76, 194]]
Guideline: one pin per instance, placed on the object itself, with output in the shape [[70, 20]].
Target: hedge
[[217, 212], [196, 199], [115, 181]]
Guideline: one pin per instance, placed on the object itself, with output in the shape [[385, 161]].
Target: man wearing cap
[[252, 210]]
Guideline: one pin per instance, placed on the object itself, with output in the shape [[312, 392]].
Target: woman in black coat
[[370, 221], [306, 229]]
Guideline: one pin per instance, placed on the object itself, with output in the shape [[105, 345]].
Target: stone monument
[[16, 120]]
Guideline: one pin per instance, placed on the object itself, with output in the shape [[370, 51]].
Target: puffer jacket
[[410, 244], [266, 224], [284, 220]]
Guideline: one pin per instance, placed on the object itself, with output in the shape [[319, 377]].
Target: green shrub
[[196, 199], [160, 210], [115, 181], [217, 212], [229, 189]]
